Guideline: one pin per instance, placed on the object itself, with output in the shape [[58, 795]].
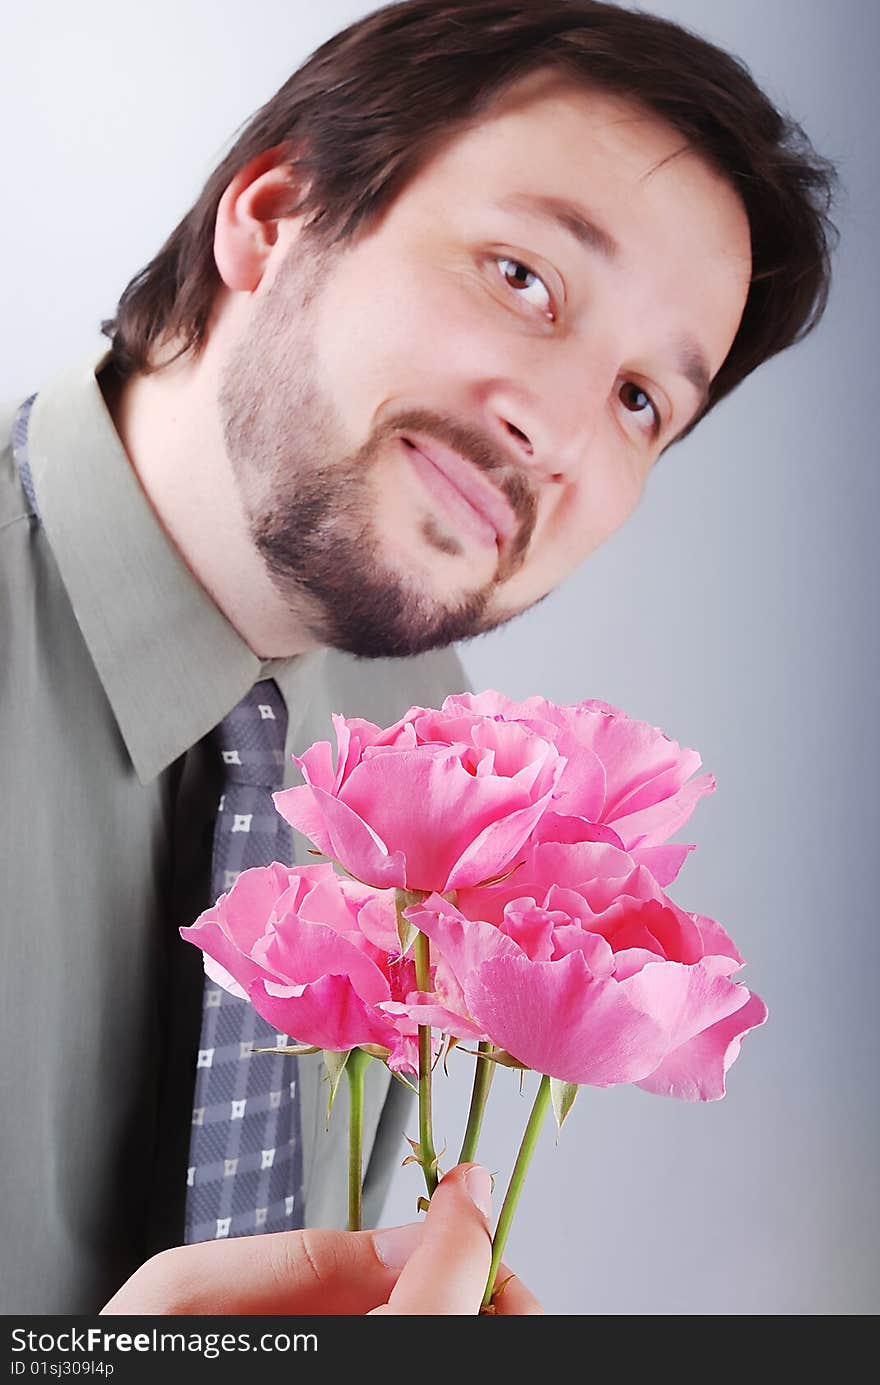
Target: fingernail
[[395, 1245], [478, 1182]]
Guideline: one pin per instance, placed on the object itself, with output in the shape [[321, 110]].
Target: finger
[[511, 1297], [448, 1272], [315, 1271]]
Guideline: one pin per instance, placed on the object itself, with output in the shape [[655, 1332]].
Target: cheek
[[617, 491], [604, 497], [582, 519], [412, 340]]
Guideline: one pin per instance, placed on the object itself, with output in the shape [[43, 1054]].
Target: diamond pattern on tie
[[245, 1164]]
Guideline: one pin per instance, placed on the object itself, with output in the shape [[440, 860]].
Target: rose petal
[[715, 940], [223, 978], [308, 951], [685, 1000], [696, 1070], [558, 1019], [327, 1012], [338, 832], [653, 825], [664, 862], [422, 1008]]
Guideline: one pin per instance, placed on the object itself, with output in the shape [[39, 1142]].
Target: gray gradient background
[[734, 610]]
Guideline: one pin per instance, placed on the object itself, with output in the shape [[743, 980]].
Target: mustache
[[476, 446]]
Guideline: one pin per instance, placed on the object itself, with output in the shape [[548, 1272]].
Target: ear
[[246, 229]]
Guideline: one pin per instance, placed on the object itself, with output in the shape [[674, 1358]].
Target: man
[[409, 359]]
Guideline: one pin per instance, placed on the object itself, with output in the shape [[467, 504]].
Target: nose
[[546, 430]]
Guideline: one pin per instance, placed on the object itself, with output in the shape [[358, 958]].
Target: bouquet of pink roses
[[506, 869]]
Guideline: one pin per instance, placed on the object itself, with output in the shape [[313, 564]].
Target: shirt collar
[[170, 663]]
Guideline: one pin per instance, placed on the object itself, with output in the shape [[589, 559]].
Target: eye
[[639, 403], [526, 284]]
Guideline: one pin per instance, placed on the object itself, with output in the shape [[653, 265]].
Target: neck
[[167, 423]]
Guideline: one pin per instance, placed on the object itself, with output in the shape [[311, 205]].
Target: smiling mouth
[[483, 515]]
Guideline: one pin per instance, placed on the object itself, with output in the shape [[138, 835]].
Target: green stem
[[483, 1074], [514, 1187], [427, 1157], [355, 1067]]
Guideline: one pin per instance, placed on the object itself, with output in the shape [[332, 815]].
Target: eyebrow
[[690, 360], [569, 216], [693, 366]]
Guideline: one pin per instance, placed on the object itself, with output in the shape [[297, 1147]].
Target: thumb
[[448, 1271]]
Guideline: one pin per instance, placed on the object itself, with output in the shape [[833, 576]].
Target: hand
[[438, 1266]]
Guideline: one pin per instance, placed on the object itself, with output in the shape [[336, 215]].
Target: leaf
[[562, 1095], [335, 1065]]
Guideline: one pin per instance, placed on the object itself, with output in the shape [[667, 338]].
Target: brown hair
[[369, 107]]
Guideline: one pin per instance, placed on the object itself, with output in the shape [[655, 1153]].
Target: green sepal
[[331, 860], [417, 1158], [335, 1064], [501, 1056], [406, 931], [405, 1080], [451, 1043], [497, 879], [295, 1049], [562, 1095]]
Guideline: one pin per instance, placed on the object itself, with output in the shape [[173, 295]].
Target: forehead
[[549, 136]]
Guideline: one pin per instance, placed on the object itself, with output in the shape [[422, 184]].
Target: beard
[[310, 503]]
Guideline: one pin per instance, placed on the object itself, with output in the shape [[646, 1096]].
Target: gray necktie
[[245, 1163]]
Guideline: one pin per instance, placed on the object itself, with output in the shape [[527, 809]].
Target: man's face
[[433, 425]]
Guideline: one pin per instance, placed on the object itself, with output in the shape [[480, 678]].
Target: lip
[[482, 500]]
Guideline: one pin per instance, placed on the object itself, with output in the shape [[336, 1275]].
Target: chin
[[440, 571]]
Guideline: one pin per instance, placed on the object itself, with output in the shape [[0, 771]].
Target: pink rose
[[436, 801], [318, 957], [624, 781], [596, 978]]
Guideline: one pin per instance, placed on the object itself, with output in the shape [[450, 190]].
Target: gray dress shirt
[[114, 666]]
